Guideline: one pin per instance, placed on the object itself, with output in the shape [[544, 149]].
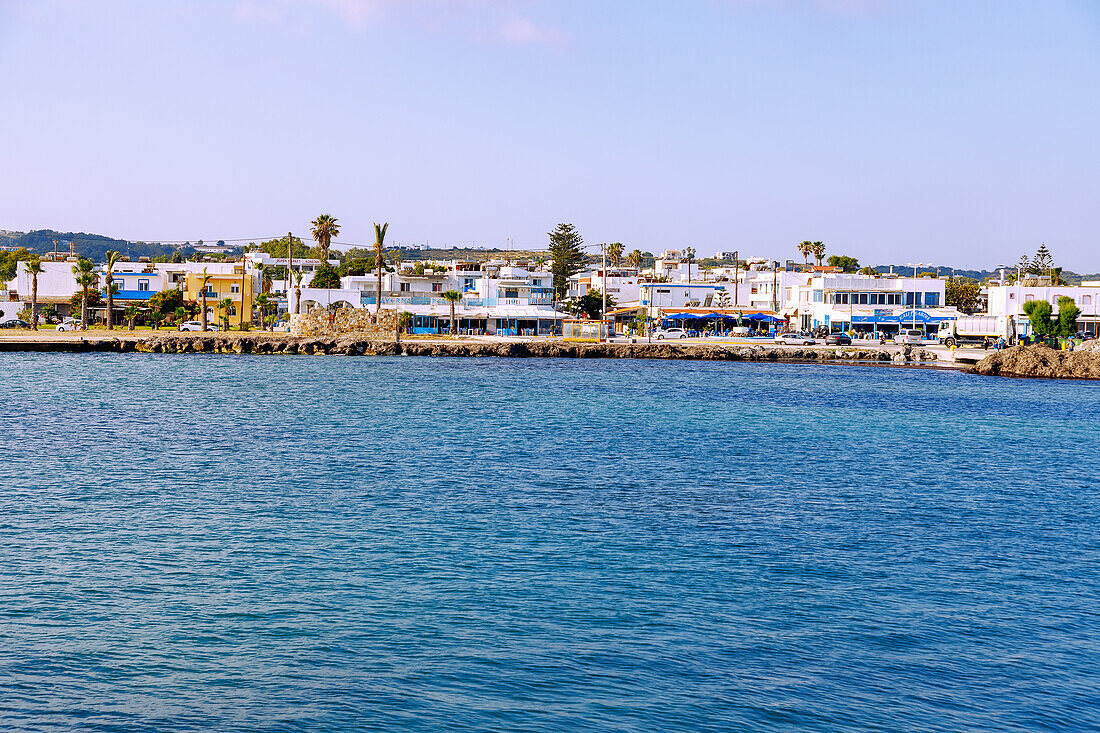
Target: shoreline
[[266, 343]]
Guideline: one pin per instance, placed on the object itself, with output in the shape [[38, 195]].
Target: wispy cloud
[[525, 32]]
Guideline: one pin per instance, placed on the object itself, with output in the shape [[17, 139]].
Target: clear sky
[[960, 132]]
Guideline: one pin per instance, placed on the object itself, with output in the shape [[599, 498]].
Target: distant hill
[[1068, 275], [92, 246]]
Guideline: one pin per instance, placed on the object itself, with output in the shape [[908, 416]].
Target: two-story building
[[1008, 298], [238, 282], [872, 305]]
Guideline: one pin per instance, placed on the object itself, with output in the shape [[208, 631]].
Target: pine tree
[[567, 257], [1042, 262]]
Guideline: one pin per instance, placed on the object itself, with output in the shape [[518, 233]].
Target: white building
[[622, 284], [56, 286], [870, 304], [1007, 299]]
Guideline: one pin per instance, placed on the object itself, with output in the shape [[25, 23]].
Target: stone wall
[[359, 321]]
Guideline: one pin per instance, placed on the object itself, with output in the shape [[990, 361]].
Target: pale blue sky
[[961, 132]]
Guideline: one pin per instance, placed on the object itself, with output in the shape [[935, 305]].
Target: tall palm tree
[[689, 257], [205, 282], [111, 259], [615, 253], [324, 230], [635, 259], [379, 239], [34, 267], [805, 248], [297, 275], [85, 278], [452, 297], [818, 251], [225, 304]]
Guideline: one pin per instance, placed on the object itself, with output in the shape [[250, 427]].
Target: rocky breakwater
[[1043, 362], [356, 345]]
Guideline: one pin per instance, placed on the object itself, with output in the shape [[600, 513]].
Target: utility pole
[[775, 284], [289, 265], [603, 311], [736, 277]]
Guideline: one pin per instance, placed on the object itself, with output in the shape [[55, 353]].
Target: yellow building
[[239, 285]]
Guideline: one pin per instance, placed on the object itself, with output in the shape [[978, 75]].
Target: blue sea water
[[217, 543]]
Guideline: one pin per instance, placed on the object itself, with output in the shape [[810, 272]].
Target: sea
[[262, 543]]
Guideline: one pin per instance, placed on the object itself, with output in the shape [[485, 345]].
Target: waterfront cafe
[[720, 319], [886, 322]]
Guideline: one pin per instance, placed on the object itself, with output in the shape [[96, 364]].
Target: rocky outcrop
[[1041, 361]]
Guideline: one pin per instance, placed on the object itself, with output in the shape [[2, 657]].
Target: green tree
[[1038, 312], [1067, 316], [166, 301], [689, 257], [452, 297], [180, 314], [817, 249], [325, 229], [615, 253], [379, 239], [224, 305], [567, 257], [131, 313], [264, 303], [325, 277], [591, 303], [634, 259], [403, 322], [1043, 261], [962, 293], [111, 259], [844, 262], [296, 275], [86, 280], [805, 248], [34, 267]]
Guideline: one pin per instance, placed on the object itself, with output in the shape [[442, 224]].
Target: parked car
[[196, 326], [69, 324], [669, 333], [795, 339], [911, 336], [838, 339], [14, 323]]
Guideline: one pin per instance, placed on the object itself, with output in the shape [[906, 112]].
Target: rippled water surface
[[227, 543]]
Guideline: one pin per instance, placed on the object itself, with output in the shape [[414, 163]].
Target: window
[[862, 298], [437, 287], [143, 286], [404, 287], [932, 300], [840, 298], [234, 288], [231, 310], [1086, 300], [819, 296], [893, 298], [511, 293]]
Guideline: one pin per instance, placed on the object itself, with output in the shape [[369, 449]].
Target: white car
[[196, 326], [794, 339], [911, 336], [669, 333], [69, 324]]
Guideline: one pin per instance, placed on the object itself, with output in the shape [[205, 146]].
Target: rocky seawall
[[1042, 362], [365, 345]]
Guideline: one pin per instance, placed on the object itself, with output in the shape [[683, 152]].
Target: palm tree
[[34, 267], [452, 297], [689, 257], [324, 230], [404, 320], [615, 253], [805, 248], [85, 278], [111, 258], [205, 283], [379, 239], [181, 315], [263, 301], [131, 313], [297, 275], [635, 259], [818, 251], [225, 304]]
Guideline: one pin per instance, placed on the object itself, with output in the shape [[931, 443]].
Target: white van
[[911, 336]]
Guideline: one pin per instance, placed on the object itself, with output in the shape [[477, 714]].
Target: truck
[[984, 330]]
